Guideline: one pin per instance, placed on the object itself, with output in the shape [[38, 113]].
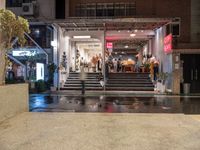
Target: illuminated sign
[[168, 44], [39, 71], [109, 45], [23, 53]]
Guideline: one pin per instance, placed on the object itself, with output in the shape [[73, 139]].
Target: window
[[130, 9], [83, 10], [175, 29], [109, 11], [91, 9], [105, 9], [16, 3], [100, 10]]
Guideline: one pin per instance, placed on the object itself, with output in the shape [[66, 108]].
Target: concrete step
[[128, 80], [129, 85], [78, 81], [79, 88], [131, 88], [79, 85], [128, 75]]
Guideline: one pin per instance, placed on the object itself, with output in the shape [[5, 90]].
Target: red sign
[[168, 44], [109, 45]]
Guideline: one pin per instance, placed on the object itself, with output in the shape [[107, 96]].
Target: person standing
[[155, 70], [115, 65]]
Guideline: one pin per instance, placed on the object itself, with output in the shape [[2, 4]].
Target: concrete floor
[[100, 131]]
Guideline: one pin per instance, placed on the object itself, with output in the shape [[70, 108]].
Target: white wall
[[63, 47]]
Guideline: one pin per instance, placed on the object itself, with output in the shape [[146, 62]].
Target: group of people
[[116, 65], [96, 63]]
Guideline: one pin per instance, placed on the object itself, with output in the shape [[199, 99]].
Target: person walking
[[82, 78]]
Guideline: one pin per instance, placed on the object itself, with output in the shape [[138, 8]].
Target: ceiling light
[[126, 46], [142, 30], [82, 37], [132, 34], [118, 30], [136, 30]]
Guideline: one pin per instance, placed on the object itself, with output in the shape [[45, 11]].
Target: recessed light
[[126, 46], [132, 34], [82, 37]]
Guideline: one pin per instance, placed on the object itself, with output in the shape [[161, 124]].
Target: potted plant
[[146, 67], [162, 76], [51, 70]]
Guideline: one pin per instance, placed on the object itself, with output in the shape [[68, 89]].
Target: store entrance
[[191, 71], [87, 55]]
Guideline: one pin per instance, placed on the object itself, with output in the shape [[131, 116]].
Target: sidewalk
[[118, 93], [100, 131]]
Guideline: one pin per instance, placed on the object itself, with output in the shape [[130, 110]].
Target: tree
[[11, 27]]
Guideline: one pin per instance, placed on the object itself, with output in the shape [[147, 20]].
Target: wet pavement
[[115, 104]]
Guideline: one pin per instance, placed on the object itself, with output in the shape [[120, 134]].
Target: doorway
[[191, 71], [87, 55]]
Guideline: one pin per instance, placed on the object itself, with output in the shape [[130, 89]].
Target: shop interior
[[88, 56], [129, 51], [126, 51]]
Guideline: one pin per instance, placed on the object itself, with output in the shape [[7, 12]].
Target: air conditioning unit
[[28, 9]]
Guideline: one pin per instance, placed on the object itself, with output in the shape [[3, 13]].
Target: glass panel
[[130, 9], [100, 10], [109, 9], [83, 11], [91, 9]]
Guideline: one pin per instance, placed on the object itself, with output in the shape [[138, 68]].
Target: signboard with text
[[168, 44], [109, 45]]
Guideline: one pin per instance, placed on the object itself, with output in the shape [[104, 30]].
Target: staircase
[[116, 81], [129, 82], [91, 82]]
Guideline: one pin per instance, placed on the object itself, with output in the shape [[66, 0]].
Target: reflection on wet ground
[[112, 104]]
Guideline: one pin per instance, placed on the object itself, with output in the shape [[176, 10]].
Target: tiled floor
[[100, 131]]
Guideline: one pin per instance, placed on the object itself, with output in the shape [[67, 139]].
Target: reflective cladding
[[113, 104]]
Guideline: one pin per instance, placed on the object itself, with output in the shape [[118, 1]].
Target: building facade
[[138, 27]]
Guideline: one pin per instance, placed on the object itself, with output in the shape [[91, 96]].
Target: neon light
[[168, 44], [109, 45]]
